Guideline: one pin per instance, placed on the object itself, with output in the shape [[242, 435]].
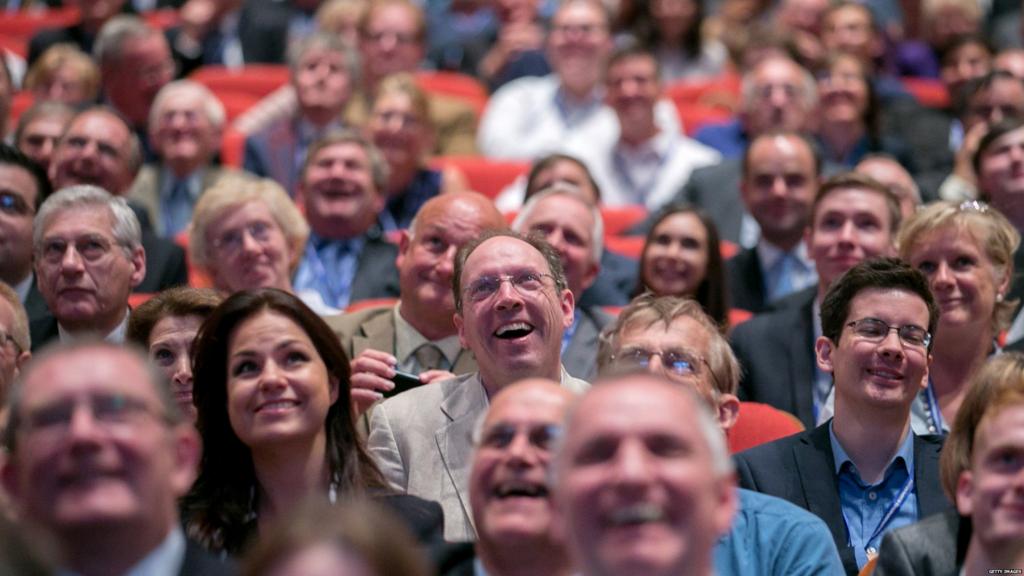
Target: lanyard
[[887, 517], [933, 408]]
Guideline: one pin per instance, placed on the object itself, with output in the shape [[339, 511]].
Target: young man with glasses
[[877, 320], [512, 305]]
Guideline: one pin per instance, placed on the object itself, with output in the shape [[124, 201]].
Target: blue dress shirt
[[872, 510], [329, 267]]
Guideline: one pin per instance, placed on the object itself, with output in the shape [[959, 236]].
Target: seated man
[[88, 257], [508, 483], [512, 308], [417, 335], [574, 227], [99, 148], [643, 482], [864, 472], [673, 336], [322, 77], [185, 127], [645, 165], [98, 455], [534, 116], [346, 258]]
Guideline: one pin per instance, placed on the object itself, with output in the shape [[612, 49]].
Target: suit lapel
[[465, 362], [801, 361], [816, 467], [930, 497], [464, 400], [378, 334], [580, 355]]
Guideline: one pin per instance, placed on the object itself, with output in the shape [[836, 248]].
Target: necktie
[[178, 209], [429, 357], [782, 277]]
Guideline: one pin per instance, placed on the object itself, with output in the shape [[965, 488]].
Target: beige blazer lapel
[[464, 401], [378, 333]]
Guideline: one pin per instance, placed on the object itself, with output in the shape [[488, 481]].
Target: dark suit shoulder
[[199, 562], [926, 547]]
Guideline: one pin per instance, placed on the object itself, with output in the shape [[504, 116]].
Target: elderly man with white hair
[[185, 129]]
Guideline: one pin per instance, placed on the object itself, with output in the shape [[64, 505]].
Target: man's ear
[[568, 303], [728, 411], [404, 242], [457, 319], [964, 493], [823, 349], [138, 261]]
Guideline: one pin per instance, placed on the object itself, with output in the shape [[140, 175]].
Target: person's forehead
[[89, 219], [681, 332], [639, 404], [183, 100], [853, 199], [1000, 428], [562, 209], [578, 12], [451, 215], [392, 17], [870, 301], [343, 150], [16, 179], [46, 125], [320, 53], [532, 402], [88, 370], [849, 15], [1011, 138], [1003, 88], [636, 65], [101, 126], [766, 151], [146, 46], [777, 70], [501, 252]]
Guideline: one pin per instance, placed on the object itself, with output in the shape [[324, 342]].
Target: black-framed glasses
[[500, 436], [876, 330], [525, 283], [232, 241]]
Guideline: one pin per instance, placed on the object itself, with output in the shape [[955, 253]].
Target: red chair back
[[488, 177], [255, 79], [759, 423], [455, 85]]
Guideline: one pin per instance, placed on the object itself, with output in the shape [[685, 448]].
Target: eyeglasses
[[525, 283], [875, 330], [501, 436], [678, 362], [233, 240], [112, 412], [91, 248], [14, 205]]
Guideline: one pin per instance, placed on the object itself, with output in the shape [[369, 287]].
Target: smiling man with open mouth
[[513, 306]]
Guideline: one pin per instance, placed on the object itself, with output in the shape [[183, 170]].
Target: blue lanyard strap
[[887, 517], [933, 407]]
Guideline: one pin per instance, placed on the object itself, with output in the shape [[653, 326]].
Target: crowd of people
[[336, 357]]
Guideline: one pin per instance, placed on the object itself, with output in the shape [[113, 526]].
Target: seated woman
[[64, 74], [672, 31], [272, 397], [966, 251], [682, 257], [400, 127], [247, 233], [356, 538], [166, 325]]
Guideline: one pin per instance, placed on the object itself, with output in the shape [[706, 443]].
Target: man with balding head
[[417, 335], [508, 483]]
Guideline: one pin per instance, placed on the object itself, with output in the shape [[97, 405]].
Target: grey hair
[[161, 386], [212, 107], [331, 43], [126, 229], [110, 41], [565, 189], [810, 87], [721, 462]]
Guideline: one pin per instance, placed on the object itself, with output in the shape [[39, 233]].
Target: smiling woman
[[682, 257], [272, 396]]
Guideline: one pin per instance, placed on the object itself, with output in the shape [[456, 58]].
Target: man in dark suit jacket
[[574, 228], [386, 338], [864, 472], [150, 455], [853, 218], [231, 33], [780, 178], [341, 190]]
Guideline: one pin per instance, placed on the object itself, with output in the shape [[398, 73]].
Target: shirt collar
[[165, 560], [116, 336], [194, 181], [24, 287], [768, 254], [904, 453], [657, 146], [408, 339]]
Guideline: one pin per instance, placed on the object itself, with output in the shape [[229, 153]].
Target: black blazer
[[745, 280], [776, 353], [376, 274], [199, 562], [801, 469], [936, 546]]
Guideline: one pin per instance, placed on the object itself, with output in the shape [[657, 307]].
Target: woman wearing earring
[[966, 252]]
